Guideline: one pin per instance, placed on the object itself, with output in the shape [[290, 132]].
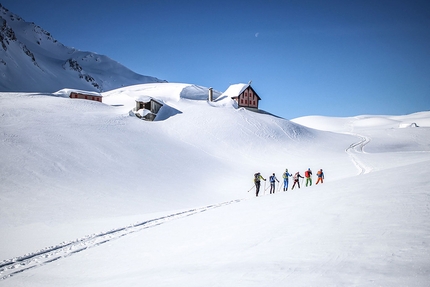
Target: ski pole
[[251, 188]]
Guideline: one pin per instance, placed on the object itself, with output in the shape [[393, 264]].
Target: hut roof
[[235, 90]]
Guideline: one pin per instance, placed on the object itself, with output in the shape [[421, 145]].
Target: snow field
[[73, 168]]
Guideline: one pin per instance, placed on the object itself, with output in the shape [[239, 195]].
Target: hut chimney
[[211, 94]]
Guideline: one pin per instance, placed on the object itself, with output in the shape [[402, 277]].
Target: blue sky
[[332, 58]]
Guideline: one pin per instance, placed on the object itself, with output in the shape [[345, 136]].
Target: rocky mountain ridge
[[32, 60]]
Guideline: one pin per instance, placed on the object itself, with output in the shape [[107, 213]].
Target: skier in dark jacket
[[296, 178], [257, 178]]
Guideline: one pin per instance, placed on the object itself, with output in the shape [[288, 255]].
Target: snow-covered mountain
[[90, 195], [31, 60]]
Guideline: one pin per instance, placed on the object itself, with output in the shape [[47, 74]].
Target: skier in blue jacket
[[272, 183], [285, 177]]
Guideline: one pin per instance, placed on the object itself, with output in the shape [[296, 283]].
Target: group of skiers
[[272, 179]]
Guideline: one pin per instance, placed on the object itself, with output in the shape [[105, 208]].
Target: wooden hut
[[86, 96], [149, 107], [244, 95]]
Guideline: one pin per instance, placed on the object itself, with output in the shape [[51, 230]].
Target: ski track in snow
[[358, 148], [16, 265]]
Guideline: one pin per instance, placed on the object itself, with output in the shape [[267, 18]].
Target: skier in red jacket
[[308, 175]]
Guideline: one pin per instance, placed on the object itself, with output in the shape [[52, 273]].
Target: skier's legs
[[272, 187], [257, 187]]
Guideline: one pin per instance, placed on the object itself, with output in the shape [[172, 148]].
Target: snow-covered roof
[[147, 99], [235, 90], [66, 92]]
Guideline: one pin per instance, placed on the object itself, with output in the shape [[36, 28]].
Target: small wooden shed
[[150, 107], [85, 96]]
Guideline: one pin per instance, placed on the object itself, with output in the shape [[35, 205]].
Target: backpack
[[256, 176], [296, 176], [307, 173]]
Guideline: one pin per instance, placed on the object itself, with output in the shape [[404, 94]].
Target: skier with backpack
[[285, 177], [296, 178], [320, 175], [272, 183], [257, 180], [308, 175]]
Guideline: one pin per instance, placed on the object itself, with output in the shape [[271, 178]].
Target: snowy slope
[[31, 60], [358, 233], [127, 202], [387, 136], [99, 154]]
